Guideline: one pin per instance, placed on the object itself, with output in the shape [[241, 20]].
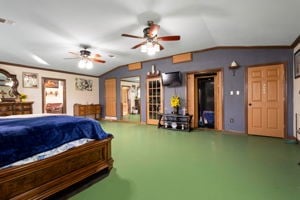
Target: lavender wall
[[234, 105]]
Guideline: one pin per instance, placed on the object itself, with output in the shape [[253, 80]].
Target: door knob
[[250, 104]]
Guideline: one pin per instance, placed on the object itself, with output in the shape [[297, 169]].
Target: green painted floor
[[158, 164], [132, 118]]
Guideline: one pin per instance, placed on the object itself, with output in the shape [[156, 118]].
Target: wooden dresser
[[15, 108], [87, 110]]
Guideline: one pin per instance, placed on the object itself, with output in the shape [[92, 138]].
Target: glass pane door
[[154, 100]]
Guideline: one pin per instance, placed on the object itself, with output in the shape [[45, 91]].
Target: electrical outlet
[[231, 120]]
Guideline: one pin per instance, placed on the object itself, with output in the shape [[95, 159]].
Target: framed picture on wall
[[49, 83], [30, 80], [83, 84], [297, 64]]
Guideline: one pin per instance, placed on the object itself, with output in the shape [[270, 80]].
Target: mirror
[[8, 86], [130, 99]]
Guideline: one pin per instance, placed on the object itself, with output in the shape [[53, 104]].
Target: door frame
[[220, 72], [64, 108], [285, 106], [138, 88]]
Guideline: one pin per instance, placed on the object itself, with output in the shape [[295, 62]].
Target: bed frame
[[44, 178]]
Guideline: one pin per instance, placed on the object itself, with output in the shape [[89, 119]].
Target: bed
[[43, 178]]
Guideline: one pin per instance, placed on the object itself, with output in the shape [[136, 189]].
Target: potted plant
[[22, 97], [175, 103]]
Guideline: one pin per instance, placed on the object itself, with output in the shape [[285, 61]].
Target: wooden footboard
[[43, 178]]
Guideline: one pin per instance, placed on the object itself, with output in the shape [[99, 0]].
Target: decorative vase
[[175, 110], [166, 124], [183, 111], [174, 125]]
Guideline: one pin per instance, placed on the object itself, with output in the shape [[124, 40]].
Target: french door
[[154, 100]]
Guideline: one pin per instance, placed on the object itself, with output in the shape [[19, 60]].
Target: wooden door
[[125, 105], [191, 106], [111, 98], [266, 100], [218, 99], [154, 100]]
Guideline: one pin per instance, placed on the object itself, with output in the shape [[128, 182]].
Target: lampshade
[[234, 66]]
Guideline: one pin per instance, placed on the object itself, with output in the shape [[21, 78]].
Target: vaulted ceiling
[[51, 29]]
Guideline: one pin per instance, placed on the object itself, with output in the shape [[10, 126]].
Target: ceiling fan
[[85, 54], [6, 21], [151, 36]]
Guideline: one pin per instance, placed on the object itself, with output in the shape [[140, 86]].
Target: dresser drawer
[[15, 108], [91, 110]]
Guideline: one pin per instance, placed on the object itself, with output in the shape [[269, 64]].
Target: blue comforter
[[24, 137]]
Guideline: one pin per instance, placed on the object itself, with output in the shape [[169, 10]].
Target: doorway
[[54, 95], [205, 99], [130, 99]]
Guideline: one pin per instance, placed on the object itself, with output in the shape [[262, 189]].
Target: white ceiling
[[50, 29]]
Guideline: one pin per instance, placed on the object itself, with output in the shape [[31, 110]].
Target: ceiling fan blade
[[76, 54], [70, 58], [73, 53], [169, 38], [132, 36], [160, 46], [138, 45], [98, 60], [154, 28], [97, 55]]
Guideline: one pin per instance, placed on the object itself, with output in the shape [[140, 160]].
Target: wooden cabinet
[[154, 100], [15, 108], [175, 122], [87, 110]]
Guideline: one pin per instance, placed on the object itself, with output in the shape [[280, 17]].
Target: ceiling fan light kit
[[85, 63], [150, 48]]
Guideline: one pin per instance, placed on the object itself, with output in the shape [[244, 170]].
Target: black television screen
[[171, 79]]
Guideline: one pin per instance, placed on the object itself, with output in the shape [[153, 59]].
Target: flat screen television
[[171, 79]]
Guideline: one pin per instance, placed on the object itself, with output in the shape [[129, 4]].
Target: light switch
[[237, 92], [231, 92]]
